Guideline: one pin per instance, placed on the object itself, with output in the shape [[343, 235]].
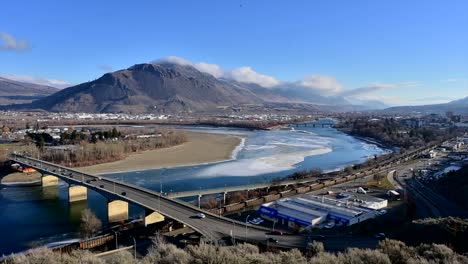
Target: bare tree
[[90, 224]]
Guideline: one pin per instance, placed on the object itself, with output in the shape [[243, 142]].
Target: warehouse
[[362, 200], [311, 210]]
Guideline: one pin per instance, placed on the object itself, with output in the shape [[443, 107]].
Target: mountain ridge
[[17, 92]]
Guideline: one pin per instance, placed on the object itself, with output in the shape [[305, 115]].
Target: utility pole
[[247, 218], [134, 246]]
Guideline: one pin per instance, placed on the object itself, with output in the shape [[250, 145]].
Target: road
[[213, 227], [430, 204]]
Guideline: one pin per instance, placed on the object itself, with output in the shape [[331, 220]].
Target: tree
[[40, 142], [90, 224]]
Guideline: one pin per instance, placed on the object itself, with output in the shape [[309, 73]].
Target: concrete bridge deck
[[212, 227]]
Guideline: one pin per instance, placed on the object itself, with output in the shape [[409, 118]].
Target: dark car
[[272, 240], [102, 185], [318, 237], [276, 232], [379, 236], [123, 193]]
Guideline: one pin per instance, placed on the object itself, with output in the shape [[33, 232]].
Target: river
[[31, 216]]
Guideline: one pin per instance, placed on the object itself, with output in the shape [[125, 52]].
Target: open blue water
[[32, 216]]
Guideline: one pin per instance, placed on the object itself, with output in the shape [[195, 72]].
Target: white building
[[310, 210], [363, 200]]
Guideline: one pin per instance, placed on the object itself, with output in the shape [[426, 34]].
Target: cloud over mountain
[[9, 43], [37, 80], [315, 84], [322, 84]]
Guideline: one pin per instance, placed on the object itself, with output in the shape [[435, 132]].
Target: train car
[[234, 207], [96, 241], [255, 201], [287, 193], [315, 186], [340, 180], [271, 197], [303, 189], [328, 183]]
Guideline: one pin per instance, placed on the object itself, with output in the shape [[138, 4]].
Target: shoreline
[[200, 149]]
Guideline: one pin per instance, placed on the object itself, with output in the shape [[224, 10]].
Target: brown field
[[200, 148]]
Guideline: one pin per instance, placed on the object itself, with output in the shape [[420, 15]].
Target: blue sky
[[401, 52]]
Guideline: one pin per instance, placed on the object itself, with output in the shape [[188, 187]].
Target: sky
[[399, 52]]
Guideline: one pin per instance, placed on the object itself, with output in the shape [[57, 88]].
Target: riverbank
[[200, 148]]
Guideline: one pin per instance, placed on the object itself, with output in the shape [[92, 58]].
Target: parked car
[[330, 225], [381, 212], [255, 221]]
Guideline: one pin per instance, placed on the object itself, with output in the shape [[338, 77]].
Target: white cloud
[[9, 43], [451, 80], [106, 68], [324, 85], [37, 80], [409, 84], [248, 75], [362, 91], [176, 60], [212, 69], [242, 74]]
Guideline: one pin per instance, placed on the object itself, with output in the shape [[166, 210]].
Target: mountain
[[173, 88], [15, 92], [164, 87], [458, 107]]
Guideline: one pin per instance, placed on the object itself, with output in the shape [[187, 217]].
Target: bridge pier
[[224, 198], [152, 217], [49, 180], [199, 200], [77, 193], [117, 211]]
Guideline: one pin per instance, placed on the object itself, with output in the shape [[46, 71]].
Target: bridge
[[119, 194], [323, 122]]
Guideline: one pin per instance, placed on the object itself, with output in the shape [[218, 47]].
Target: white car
[[254, 222], [330, 225], [382, 212], [201, 215]]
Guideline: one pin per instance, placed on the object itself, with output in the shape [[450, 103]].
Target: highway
[[213, 227], [430, 204]]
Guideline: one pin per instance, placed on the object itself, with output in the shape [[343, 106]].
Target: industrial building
[[362, 200], [311, 210]]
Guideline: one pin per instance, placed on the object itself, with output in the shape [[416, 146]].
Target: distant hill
[[15, 92], [173, 88], [458, 106]]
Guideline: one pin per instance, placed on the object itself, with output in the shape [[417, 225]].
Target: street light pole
[[134, 246], [247, 218], [160, 194], [116, 241]]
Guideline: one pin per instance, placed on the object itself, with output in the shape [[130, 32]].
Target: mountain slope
[[15, 92], [458, 107], [142, 88]]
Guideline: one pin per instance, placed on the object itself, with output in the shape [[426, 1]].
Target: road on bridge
[[213, 227]]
